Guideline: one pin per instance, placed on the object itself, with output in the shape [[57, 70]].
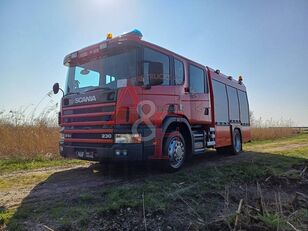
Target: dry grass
[[269, 133], [271, 129], [28, 140], [23, 135]]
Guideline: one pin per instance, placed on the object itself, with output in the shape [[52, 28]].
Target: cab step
[[203, 139], [199, 143]]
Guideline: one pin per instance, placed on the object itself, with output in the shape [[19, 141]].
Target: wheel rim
[[237, 142], [176, 152]]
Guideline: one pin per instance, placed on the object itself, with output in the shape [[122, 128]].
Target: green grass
[[300, 138], [22, 180], [295, 146], [6, 215], [13, 165], [273, 221]]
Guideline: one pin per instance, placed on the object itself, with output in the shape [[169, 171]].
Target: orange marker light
[[109, 35], [240, 79]]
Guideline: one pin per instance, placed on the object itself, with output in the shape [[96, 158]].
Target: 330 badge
[[106, 136]]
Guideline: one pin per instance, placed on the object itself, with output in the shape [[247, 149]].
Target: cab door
[[158, 92], [157, 97]]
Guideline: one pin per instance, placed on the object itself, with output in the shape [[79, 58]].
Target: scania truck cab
[[126, 99]]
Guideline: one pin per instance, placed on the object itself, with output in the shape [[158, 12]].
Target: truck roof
[[132, 36], [228, 80], [214, 74]]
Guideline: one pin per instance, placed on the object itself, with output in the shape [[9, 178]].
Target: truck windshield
[[108, 72]]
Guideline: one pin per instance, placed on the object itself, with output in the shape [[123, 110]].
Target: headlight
[[127, 138]]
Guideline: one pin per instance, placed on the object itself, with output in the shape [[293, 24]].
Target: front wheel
[[175, 149]]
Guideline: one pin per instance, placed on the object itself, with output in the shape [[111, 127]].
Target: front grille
[[87, 123], [85, 119], [89, 110], [89, 127]]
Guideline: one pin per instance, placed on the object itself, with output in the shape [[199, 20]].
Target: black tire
[[105, 165], [236, 146], [222, 151], [175, 149]]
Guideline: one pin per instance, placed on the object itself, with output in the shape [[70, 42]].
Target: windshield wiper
[[98, 88], [92, 89], [73, 93]]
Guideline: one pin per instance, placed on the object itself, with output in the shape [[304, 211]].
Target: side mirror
[[154, 72], [56, 88], [156, 79]]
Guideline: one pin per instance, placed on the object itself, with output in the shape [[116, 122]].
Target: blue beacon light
[[135, 32]]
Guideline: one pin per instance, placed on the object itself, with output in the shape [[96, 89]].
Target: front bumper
[[113, 153]]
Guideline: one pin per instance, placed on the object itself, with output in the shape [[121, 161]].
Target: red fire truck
[[126, 99]]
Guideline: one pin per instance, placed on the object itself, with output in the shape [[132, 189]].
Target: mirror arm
[[62, 91]]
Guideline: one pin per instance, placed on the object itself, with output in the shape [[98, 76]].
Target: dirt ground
[[89, 177], [67, 183]]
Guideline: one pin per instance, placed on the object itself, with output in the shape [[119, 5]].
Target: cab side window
[[178, 72], [197, 81], [156, 68]]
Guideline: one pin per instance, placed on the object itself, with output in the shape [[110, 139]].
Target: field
[[264, 188], [24, 136]]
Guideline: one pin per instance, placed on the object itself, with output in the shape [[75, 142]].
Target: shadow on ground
[[43, 207]]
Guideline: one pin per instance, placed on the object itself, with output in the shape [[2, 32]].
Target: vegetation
[[270, 133], [205, 194], [30, 142], [21, 164], [24, 135], [270, 129]]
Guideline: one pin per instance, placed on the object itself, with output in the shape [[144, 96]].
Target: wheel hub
[[237, 143], [176, 152]]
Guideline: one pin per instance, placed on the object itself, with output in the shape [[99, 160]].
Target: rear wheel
[[175, 149], [236, 146], [237, 142]]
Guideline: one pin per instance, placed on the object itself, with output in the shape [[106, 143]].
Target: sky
[[265, 41]]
